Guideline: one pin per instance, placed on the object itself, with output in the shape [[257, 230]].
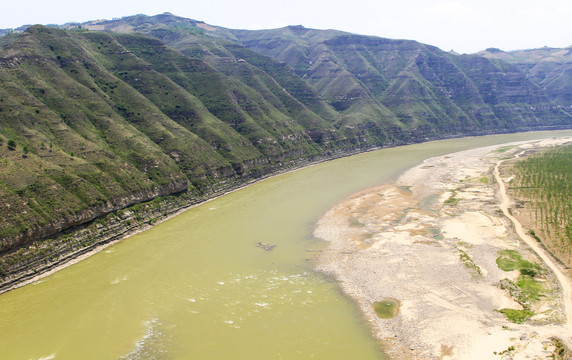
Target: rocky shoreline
[[431, 241]]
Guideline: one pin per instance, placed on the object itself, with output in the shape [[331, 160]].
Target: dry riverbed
[[430, 242]]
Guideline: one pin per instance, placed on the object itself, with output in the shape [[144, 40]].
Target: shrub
[[517, 316]]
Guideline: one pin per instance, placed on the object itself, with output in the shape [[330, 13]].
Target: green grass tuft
[[517, 316], [510, 260], [469, 263], [386, 308]]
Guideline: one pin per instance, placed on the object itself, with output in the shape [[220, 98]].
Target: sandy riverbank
[[405, 241]]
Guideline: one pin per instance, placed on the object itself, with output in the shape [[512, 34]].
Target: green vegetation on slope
[[88, 127], [549, 68], [415, 87]]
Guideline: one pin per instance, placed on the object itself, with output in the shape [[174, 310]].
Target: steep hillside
[[549, 68], [112, 124], [96, 128], [428, 90], [75, 156], [268, 77]]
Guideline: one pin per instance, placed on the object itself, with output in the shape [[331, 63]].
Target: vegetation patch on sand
[[517, 316], [561, 351], [452, 200], [503, 149], [510, 260], [354, 222], [387, 308], [469, 263], [526, 290]]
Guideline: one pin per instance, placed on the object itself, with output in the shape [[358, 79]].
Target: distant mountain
[[549, 68], [427, 90], [98, 117]]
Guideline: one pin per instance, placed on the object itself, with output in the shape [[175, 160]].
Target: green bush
[[517, 316], [510, 260]]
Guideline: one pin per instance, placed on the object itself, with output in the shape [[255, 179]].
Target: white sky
[[462, 25]]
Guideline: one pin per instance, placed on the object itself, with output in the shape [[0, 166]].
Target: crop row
[[545, 179]]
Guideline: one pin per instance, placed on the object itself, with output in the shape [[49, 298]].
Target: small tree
[[11, 144]]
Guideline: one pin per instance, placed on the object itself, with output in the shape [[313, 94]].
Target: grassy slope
[[259, 88], [75, 147], [99, 119]]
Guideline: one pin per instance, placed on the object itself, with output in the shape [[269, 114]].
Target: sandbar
[[430, 241]]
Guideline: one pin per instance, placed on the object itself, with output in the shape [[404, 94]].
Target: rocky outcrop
[[66, 222]]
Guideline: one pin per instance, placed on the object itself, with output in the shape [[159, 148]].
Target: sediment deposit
[[431, 242]]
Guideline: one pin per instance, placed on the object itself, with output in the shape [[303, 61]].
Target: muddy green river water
[[198, 287]]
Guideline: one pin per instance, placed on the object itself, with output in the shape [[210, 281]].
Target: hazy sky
[[464, 26]]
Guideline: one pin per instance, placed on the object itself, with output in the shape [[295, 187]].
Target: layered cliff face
[[93, 121], [549, 68], [428, 91]]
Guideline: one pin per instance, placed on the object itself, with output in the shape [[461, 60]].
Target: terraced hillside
[[549, 68], [429, 91]]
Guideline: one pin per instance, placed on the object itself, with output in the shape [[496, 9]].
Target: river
[[198, 286]]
